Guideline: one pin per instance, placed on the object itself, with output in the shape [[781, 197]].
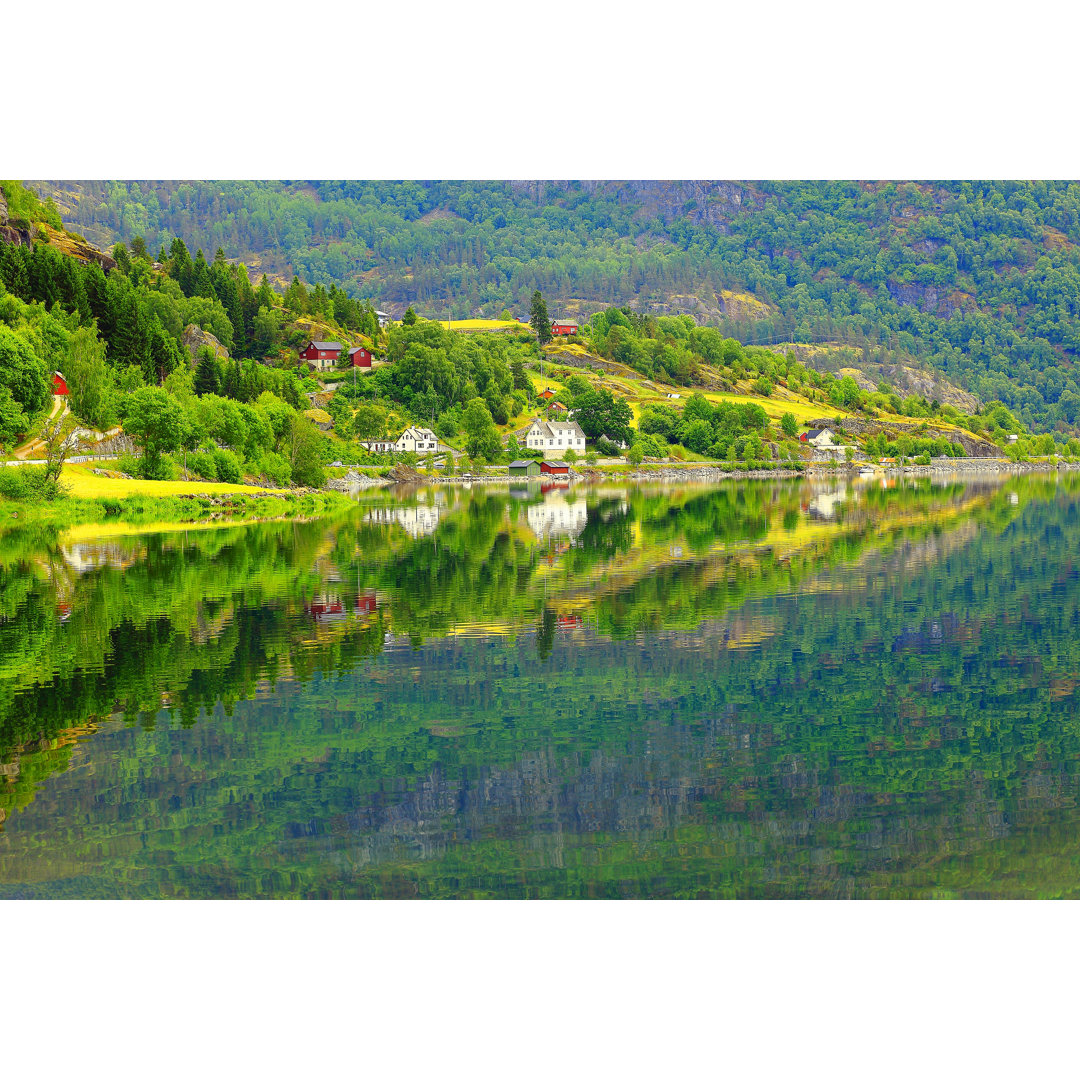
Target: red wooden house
[[321, 354], [547, 394], [560, 328], [360, 357], [554, 468], [59, 383]]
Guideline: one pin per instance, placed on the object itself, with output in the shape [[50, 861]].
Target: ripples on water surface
[[746, 691]]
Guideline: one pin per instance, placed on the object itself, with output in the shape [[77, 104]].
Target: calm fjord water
[[754, 690]]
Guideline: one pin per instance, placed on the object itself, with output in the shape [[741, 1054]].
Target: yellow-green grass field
[[80, 482], [484, 324]]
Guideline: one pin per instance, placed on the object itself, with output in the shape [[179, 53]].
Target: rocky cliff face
[[10, 233], [195, 337], [69, 243]]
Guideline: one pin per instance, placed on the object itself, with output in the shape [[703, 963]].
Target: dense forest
[[979, 280]]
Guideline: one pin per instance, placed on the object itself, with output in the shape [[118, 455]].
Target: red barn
[[59, 383], [321, 354], [360, 357], [560, 329], [554, 468]]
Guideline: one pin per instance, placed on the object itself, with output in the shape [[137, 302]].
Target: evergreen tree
[[164, 353], [409, 318], [264, 295], [204, 285], [207, 372], [123, 260], [181, 267], [538, 318], [296, 297]]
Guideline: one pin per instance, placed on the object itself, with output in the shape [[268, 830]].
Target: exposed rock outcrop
[[404, 474], [195, 337]]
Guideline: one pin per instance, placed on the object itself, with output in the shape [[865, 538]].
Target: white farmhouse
[[553, 438], [417, 440]]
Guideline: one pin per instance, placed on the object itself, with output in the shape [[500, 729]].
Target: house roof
[[358, 348], [321, 345], [518, 464], [814, 432], [564, 322], [552, 428]]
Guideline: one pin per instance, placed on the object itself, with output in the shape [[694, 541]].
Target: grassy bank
[[84, 497]]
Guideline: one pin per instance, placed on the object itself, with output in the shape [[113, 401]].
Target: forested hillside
[[978, 280]]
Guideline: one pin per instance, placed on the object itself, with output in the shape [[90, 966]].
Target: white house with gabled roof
[[554, 437], [417, 440]]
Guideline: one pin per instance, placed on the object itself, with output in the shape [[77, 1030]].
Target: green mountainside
[[199, 364], [979, 281]]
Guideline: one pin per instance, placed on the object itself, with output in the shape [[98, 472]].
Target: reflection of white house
[[825, 503], [553, 438], [557, 517], [417, 521], [83, 558]]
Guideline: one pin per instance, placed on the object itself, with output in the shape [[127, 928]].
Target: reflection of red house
[[59, 383], [360, 357], [554, 468], [325, 609], [569, 622], [366, 603], [555, 485]]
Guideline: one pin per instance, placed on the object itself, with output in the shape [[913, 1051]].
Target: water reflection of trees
[[188, 622]]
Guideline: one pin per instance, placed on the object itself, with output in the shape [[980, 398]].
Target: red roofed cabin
[[321, 354], [547, 394], [59, 383], [555, 468], [360, 357], [561, 329]]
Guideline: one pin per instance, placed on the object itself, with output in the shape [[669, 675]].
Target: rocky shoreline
[[710, 474]]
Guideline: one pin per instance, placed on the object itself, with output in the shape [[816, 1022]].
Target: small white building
[[822, 438], [417, 440], [554, 437], [384, 318]]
